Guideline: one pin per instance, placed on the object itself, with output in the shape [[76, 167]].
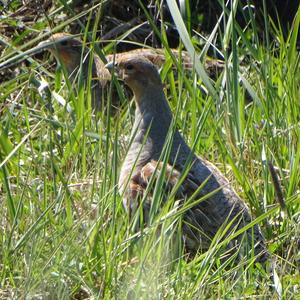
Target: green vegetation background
[[63, 231]]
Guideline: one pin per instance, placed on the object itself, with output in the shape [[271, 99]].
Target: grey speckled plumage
[[153, 118]]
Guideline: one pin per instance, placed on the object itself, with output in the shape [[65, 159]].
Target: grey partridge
[[153, 122]]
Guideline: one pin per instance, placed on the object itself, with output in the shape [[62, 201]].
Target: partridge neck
[[153, 118], [152, 113]]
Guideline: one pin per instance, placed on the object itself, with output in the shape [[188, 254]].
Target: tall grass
[[64, 233]]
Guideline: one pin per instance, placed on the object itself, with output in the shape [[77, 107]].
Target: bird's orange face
[[65, 48], [63, 55]]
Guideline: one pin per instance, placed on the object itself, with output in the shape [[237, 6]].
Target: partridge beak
[[111, 66]]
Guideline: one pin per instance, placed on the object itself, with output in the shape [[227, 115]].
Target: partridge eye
[[64, 43], [129, 67]]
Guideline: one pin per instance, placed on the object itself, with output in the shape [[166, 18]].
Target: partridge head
[[75, 57], [71, 52], [137, 72], [67, 49]]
